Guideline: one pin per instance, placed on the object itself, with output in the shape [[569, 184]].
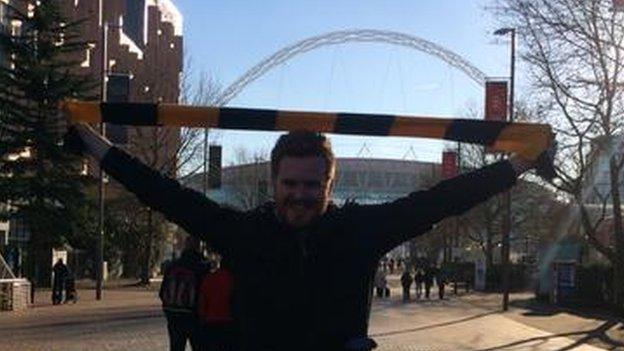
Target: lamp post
[[506, 227], [206, 166], [99, 252], [99, 272]]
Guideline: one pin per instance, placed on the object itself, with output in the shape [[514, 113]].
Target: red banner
[[618, 5], [496, 101], [449, 164]]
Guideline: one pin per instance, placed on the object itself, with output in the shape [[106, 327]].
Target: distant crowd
[[421, 275]]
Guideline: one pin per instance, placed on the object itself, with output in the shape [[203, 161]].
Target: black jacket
[[307, 289], [181, 280]]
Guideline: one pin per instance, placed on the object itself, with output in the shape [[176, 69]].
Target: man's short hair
[[303, 144]]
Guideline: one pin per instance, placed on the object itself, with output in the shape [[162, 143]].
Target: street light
[[103, 93], [507, 196], [99, 252]]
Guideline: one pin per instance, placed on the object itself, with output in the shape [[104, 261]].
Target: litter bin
[[564, 285]]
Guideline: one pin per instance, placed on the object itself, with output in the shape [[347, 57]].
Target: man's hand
[[521, 165]]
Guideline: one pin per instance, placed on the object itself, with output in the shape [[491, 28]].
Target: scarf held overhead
[[527, 140]]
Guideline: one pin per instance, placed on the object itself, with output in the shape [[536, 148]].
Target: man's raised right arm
[[191, 210]]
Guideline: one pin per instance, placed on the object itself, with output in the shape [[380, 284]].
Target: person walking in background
[[380, 282], [440, 281], [70, 287], [428, 279], [216, 311], [60, 272], [179, 295], [419, 278], [406, 282]]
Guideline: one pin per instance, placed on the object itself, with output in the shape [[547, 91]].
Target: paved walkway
[[130, 319], [455, 325]]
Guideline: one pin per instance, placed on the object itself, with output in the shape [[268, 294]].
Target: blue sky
[[226, 38]]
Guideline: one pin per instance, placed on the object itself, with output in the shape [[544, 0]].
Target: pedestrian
[[428, 279], [292, 242], [440, 281], [179, 295], [70, 288], [216, 311], [60, 272], [406, 282], [381, 281], [419, 278]]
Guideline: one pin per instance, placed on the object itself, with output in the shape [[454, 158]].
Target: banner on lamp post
[[214, 166], [449, 164], [496, 101], [117, 90]]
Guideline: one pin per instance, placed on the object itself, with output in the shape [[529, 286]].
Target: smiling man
[[302, 170], [303, 267]]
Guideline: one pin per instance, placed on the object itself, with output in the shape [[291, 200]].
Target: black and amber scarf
[[527, 140]]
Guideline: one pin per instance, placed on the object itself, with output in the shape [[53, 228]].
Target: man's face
[[301, 190]]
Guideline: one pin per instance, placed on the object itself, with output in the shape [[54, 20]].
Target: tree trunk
[[147, 258], [489, 259], [618, 236], [618, 284]]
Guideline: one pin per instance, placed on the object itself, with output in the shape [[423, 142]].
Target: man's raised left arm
[[386, 225]]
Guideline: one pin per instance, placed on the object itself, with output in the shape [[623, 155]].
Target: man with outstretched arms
[[303, 266]]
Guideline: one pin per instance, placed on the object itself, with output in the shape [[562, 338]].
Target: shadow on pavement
[[397, 302], [535, 307], [425, 327], [121, 316], [597, 333]]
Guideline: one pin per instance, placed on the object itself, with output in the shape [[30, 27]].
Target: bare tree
[[574, 52], [173, 152], [249, 179], [530, 207]]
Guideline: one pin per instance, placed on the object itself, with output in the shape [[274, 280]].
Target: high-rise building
[[144, 49], [4, 27], [144, 64]]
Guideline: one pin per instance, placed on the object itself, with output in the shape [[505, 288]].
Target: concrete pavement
[[456, 325], [130, 319]]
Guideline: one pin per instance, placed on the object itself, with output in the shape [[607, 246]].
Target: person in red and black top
[[179, 293], [324, 255], [215, 309]]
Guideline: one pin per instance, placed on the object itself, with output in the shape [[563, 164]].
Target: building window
[[87, 61], [16, 28], [85, 168], [61, 37], [31, 10], [3, 15]]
